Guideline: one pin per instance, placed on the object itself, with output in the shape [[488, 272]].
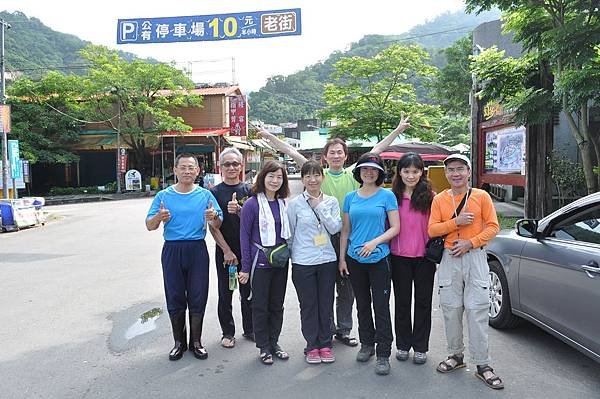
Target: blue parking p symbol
[[128, 31]]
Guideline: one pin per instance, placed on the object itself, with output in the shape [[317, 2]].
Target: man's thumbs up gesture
[[232, 206], [210, 213], [163, 214]]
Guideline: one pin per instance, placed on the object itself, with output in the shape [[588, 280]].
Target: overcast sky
[[327, 25]]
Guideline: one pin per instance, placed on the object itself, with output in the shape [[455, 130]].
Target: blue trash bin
[[6, 211]]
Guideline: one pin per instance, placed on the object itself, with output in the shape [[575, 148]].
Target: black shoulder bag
[[434, 249]]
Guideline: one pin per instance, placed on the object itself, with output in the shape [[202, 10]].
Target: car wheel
[[500, 313]]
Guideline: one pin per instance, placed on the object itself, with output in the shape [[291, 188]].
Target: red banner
[[238, 116], [5, 118], [123, 160]]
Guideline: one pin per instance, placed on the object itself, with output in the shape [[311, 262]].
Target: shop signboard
[[13, 159], [19, 181], [238, 116], [133, 180]]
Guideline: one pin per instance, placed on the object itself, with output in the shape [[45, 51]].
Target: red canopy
[[426, 157], [427, 151]]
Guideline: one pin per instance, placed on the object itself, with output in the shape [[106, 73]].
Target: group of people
[[348, 237]]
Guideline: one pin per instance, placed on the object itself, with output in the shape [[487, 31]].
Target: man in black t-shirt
[[230, 195]]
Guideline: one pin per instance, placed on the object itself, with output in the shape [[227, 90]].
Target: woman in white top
[[313, 218]]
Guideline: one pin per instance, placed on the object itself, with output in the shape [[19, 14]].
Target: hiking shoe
[[382, 366], [420, 358], [365, 353], [313, 356], [402, 355], [326, 355]]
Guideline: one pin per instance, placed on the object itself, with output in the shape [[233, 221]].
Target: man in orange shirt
[[463, 271]]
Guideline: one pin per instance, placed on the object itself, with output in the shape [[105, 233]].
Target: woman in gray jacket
[[314, 217]]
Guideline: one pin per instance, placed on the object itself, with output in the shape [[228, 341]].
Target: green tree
[[453, 130], [369, 95], [135, 97], [561, 36], [287, 98], [452, 87], [40, 118]]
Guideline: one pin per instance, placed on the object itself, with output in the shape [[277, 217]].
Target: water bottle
[[233, 277]]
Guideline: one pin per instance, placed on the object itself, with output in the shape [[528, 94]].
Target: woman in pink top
[[414, 194]]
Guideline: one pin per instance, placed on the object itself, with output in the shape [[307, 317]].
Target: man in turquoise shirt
[[184, 209]]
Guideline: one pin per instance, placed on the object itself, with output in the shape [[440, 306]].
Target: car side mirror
[[527, 228]]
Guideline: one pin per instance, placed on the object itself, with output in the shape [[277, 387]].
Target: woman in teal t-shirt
[[364, 240]]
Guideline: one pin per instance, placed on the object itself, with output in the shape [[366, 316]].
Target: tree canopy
[[369, 95], [140, 94], [40, 118], [561, 36], [134, 97], [281, 100]]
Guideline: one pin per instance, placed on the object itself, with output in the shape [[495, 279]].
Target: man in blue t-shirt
[[184, 209]]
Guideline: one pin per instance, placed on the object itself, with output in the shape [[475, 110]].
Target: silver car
[[548, 272]]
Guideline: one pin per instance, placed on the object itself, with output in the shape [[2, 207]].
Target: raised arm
[[283, 147], [389, 139]]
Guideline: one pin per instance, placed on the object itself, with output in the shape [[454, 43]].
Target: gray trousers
[[463, 286], [344, 299]]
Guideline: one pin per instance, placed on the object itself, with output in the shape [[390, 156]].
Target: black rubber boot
[[179, 335], [195, 337]]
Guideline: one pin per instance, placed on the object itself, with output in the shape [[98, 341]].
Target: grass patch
[[507, 222]]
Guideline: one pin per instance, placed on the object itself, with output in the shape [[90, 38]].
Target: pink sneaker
[[326, 355], [312, 356]]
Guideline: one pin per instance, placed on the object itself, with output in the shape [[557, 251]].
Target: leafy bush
[[568, 177], [109, 188]]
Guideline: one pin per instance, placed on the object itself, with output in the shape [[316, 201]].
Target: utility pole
[[119, 150], [5, 164]]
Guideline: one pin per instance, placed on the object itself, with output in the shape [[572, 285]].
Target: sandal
[[493, 382], [280, 353], [266, 358], [346, 340], [228, 342], [451, 363]]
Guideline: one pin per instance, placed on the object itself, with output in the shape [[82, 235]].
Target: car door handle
[[591, 267]]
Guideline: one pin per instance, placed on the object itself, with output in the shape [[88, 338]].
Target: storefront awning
[[103, 142], [260, 143], [200, 132], [97, 142], [238, 143]]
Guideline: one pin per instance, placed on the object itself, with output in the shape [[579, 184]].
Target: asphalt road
[[72, 293]]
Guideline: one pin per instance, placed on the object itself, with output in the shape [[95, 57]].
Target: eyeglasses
[[460, 169], [187, 168], [230, 164]]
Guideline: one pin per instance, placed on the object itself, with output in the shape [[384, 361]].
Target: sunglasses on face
[[230, 164]]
